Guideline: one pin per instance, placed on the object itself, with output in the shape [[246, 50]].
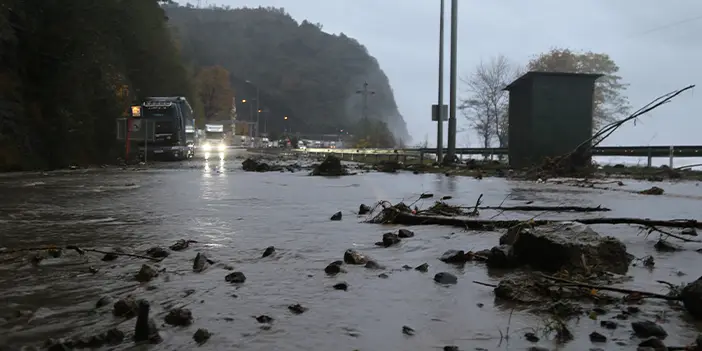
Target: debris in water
[[407, 330], [297, 308], [181, 317], [235, 277], [268, 251], [201, 336], [363, 209], [331, 166], [652, 191], [264, 319]]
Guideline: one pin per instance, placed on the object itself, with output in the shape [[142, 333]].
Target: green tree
[[610, 103], [215, 91]]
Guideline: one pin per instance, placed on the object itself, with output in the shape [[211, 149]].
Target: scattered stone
[[146, 273], [632, 309], [567, 245], [406, 267], [649, 261], [653, 342], [268, 251], [609, 324], [157, 252], [200, 263], [352, 256], [235, 277], [341, 286], [622, 316], [264, 319], [454, 256], [445, 278], [126, 307], [181, 317], [531, 337], [689, 231], [502, 256], [652, 191], [103, 301], [389, 239], [145, 328], [383, 275], [113, 336], [665, 246], [297, 308], [201, 336], [363, 209], [597, 337], [371, 264], [180, 245], [646, 329], [407, 330], [334, 268], [110, 256], [331, 166], [336, 217], [451, 348], [424, 267], [405, 233], [691, 296], [251, 165]]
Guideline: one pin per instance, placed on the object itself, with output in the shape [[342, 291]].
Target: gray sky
[[654, 50]]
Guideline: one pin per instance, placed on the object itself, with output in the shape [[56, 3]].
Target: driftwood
[[395, 216], [609, 288], [79, 250], [546, 208]]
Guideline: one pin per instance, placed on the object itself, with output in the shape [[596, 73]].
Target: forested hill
[[301, 71], [68, 69]]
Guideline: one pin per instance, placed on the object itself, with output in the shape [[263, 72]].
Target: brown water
[[235, 215]]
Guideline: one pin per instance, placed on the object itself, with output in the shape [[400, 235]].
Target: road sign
[[435, 112]]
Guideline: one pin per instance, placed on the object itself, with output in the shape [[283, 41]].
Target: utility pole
[[440, 103], [451, 152]]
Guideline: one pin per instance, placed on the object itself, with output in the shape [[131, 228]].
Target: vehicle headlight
[[221, 147], [207, 147]]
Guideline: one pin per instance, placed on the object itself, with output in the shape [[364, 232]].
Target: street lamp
[[258, 102]]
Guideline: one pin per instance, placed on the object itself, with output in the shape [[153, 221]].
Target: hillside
[[301, 71]]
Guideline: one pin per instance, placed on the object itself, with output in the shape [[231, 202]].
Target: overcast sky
[[652, 41]]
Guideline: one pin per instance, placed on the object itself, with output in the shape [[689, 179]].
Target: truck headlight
[[221, 147], [207, 147]]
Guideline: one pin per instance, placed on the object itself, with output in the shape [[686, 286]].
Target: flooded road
[[235, 215]]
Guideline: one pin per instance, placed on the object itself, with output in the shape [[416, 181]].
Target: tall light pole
[[440, 104], [451, 152], [258, 105]]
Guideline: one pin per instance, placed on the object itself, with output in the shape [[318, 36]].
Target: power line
[[667, 26]]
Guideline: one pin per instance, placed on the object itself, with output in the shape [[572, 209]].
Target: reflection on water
[[234, 218]]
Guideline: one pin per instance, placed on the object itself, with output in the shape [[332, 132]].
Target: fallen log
[[394, 216], [546, 208], [610, 288], [79, 250]]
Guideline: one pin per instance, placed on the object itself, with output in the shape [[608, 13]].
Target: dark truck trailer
[[162, 127]]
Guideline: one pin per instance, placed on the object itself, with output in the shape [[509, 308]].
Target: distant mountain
[[302, 72]]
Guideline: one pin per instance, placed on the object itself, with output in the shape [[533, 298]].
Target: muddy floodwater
[[234, 216]]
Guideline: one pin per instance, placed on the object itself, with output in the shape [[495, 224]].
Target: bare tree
[[486, 106]]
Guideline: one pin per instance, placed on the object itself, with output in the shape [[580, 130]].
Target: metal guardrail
[[633, 151]]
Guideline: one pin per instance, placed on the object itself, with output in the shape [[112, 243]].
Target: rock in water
[[405, 233], [352, 256], [647, 329], [157, 252], [145, 329], [692, 298], [180, 245], [570, 245], [200, 263], [179, 317], [331, 166], [146, 273], [445, 278], [268, 251], [251, 165], [334, 268], [336, 217], [363, 209], [389, 239], [201, 336], [235, 277]]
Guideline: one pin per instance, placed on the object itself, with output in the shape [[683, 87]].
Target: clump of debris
[[331, 166]]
